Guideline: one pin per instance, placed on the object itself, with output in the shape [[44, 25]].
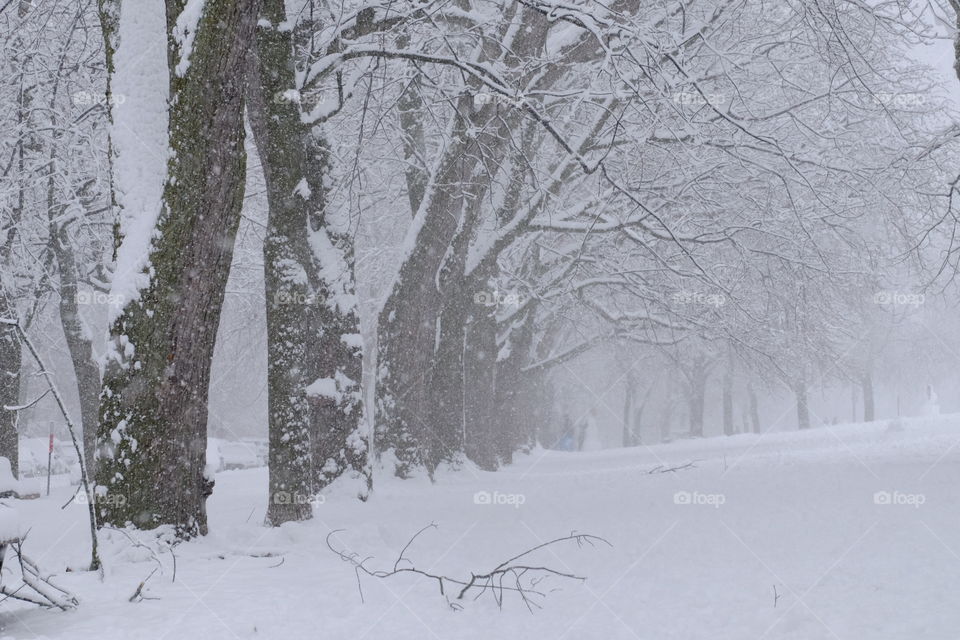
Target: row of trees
[[523, 182]]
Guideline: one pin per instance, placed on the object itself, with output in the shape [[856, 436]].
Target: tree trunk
[[85, 368], [10, 361], [695, 402], [629, 391], [866, 383], [728, 427], [153, 416], [803, 410], [314, 349], [409, 326], [485, 444], [515, 388], [754, 408]]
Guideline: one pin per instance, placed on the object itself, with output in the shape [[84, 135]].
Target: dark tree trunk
[[314, 349], [866, 383], [421, 326], [153, 415], [517, 389], [484, 444], [10, 361], [420, 333]]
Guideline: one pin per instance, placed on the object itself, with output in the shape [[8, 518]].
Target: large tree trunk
[[153, 416], [484, 444], [314, 349], [408, 325], [515, 389]]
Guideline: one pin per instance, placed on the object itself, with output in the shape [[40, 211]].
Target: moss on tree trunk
[[313, 326], [153, 415]]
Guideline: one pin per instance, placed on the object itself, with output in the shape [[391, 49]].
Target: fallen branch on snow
[[42, 590], [520, 577]]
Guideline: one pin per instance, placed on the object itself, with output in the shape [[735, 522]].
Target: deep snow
[[854, 525]]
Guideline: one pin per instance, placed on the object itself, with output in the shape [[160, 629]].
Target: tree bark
[[485, 445], [153, 415], [314, 349], [10, 362], [408, 325]]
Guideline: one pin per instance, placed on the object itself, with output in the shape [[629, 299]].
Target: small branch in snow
[[45, 592], [138, 594], [511, 575], [660, 468]]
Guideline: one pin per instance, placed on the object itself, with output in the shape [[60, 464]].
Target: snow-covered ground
[[854, 526]]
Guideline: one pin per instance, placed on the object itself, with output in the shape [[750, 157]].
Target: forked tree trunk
[[408, 325], [153, 415], [314, 354]]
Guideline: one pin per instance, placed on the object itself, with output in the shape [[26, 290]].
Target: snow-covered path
[[856, 527]]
